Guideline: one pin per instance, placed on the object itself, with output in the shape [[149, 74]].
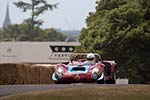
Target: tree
[[20, 33], [119, 29], [37, 8], [52, 35]]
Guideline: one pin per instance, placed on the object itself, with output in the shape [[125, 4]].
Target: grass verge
[[137, 92]]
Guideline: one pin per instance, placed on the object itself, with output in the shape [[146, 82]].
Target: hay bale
[[8, 74], [25, 74], [35, 75], [43, 74]]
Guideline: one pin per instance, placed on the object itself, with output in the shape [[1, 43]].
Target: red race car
[[79, 70]]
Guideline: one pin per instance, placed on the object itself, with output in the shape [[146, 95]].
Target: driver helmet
[[90, 56]]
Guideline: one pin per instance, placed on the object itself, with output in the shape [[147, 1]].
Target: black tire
[[100, 81], [57, 82], [111, 81]]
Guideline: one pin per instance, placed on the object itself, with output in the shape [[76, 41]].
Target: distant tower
[[7, 21]]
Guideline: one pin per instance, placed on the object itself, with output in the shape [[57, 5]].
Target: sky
[[70, 14]]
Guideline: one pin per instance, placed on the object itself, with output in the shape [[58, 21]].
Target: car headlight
[[94, 76], [59, 73], [95, 70], [60, 70]]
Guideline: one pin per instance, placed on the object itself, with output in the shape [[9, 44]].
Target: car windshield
[[81, 57], [76, 56]]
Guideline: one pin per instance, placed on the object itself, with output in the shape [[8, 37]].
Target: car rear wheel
[[111, 81]]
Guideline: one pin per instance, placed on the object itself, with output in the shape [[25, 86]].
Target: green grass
[[138, 92]]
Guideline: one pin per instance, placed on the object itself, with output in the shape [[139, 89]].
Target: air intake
[[78, 69]]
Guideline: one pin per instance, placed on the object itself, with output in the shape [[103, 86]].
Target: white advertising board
[[36, 52]]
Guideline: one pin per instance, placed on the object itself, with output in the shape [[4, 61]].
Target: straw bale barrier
[[25, 74]]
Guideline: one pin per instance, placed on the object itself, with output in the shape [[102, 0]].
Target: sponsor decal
[[77, 77], [9, 53], [9, 50]]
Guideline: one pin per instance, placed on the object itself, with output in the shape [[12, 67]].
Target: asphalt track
[[6, 90]]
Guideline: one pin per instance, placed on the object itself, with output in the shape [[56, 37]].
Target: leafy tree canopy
[[21, 33], [120, 30]]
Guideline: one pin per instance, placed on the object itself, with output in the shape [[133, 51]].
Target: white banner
[[36, 52]]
